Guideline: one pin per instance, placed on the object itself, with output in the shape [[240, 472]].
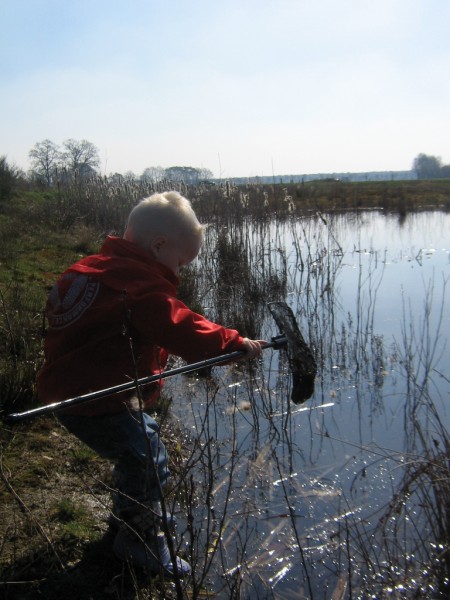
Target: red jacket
[[94, 309]]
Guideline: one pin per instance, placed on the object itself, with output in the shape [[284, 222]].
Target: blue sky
[[241, 87]]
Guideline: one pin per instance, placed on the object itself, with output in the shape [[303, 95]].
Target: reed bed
[[259, 515]]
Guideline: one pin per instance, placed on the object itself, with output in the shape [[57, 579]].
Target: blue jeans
[[126, 438]]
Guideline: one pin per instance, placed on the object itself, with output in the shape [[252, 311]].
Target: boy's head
[[166, 226]]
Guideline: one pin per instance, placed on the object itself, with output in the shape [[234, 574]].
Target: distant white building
[[367, 176]]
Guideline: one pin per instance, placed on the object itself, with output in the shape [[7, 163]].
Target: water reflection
[[292, 499]]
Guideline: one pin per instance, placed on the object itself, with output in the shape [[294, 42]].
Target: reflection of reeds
[[423, 494], [404, 551], [359, 553]]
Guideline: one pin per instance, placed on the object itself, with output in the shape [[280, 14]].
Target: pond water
[[296, 501]]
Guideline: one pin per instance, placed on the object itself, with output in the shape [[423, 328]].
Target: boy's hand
[[253, 348]]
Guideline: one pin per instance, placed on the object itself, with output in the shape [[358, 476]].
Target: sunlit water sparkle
[[310, 472]]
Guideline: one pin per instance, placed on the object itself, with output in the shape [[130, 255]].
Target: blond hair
[[168, 213]]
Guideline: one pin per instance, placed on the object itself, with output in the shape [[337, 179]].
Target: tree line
[[78, 157], [51, 163], [81, 157]]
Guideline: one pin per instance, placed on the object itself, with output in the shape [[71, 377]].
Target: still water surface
[[290, 482]]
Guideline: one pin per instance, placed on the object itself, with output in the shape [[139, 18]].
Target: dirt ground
[[55, 538]]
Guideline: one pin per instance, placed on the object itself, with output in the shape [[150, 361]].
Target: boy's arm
[[169, 323]]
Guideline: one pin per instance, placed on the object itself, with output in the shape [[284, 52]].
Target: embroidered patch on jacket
[[69, 299]]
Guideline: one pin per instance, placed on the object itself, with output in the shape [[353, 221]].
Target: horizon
[[99, 170], [244, 88]]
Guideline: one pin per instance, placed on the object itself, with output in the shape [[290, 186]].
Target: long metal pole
[[277, 342]]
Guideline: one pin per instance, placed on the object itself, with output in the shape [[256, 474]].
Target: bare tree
[[153, 174], [205, 174], [45, 157], [80, 156], [186, 174]]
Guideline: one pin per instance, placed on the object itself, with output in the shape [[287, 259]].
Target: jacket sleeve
[[166, 321]]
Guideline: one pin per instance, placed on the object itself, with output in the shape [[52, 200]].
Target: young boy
[[114, 317]]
